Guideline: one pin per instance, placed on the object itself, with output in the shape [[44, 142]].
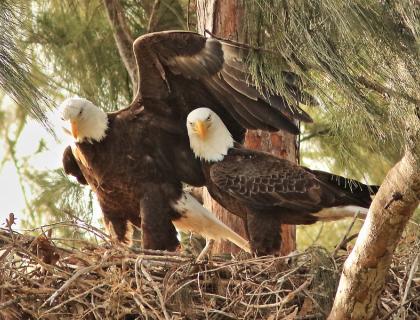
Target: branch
[[384, 90], [123, 38], [153, 20], [365, 269], [320, 132]]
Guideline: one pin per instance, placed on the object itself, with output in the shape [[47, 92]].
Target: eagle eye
[[80, 112], [208, 118]]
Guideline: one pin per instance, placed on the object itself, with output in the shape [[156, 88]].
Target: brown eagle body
[[134, 181], [137, 169], [267, 191]]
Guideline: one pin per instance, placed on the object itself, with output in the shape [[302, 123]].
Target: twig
[[410, 278], [153, 15], [346, 234], [6, 304], [400, 306], [281, 303], [384, 90], [154, 285], [67, 284], [188, 15], [72, 298]]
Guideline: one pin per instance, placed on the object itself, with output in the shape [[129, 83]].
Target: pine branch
[[15, 71], [384, 90]]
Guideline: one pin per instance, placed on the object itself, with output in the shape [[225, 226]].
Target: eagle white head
[[209, 138], [88, 122]]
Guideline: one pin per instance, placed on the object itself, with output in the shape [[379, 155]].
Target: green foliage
[[16, 76], [359, 57], [151, 16], [73, 46], [55, 195], [79, 52]]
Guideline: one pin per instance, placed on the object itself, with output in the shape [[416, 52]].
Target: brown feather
[[137, 169], [266, 190]]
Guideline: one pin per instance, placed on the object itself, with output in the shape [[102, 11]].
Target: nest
[[46, 278]]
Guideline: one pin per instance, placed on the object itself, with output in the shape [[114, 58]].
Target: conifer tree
[[16, 74], [361, 60]]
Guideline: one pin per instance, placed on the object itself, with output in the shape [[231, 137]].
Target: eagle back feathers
[[265, 181]]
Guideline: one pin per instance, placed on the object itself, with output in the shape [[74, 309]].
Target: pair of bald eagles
[[193, 106]]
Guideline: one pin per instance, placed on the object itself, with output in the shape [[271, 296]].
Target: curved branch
[[365, 269], [123, 38]]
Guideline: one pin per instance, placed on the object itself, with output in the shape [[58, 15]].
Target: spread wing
[[180, 71], [263, 181]]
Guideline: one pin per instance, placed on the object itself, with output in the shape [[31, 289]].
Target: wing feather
[[219, 67], [271, 118], [242, 106], [264, 181]]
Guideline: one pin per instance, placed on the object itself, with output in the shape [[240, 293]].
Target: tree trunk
[[366, 267], [224, 18]]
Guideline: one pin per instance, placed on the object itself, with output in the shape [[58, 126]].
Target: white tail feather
[[196, 218]]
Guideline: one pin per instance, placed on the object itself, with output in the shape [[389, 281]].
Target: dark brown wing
[[355, 192], [166, 60], [264, 181], [71, 167]]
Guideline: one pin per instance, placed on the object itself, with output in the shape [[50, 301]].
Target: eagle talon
[[207, 250]]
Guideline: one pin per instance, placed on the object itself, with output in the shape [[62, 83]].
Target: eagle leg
[[158, 232], [207, 249], [117, 227], [264, 233]]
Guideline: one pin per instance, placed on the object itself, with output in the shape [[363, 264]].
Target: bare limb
[[384, 90], [123, 38], [364, 271], [153, 20]]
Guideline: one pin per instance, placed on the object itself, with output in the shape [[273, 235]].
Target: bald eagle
[[188, 214], [267, 191], [136, 159]]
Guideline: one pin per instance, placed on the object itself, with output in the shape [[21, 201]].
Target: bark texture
[[365, 269], [282, 145], [225, 18], [123, 38]]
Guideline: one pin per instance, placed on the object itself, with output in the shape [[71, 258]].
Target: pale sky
[[11, 196]]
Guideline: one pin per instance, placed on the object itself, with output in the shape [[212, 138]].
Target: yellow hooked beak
[[201, 128], [74, 129]]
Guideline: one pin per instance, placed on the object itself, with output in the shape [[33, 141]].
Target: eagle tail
[[352, 192], [196, 218]]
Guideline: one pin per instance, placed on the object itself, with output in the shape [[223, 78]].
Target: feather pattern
[[140, 155], [267, 191]]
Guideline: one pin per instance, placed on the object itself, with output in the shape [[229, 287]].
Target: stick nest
[[46, 278]]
